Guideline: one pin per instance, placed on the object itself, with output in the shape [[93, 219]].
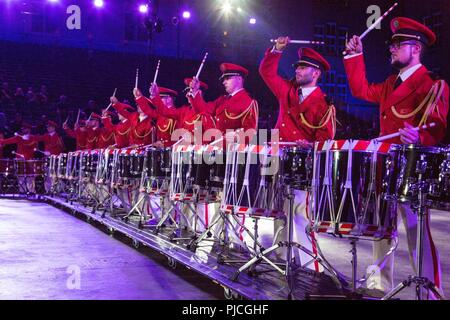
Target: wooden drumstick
[[397, 134], [201, 66], [137, 78], [18, 154], [78, 116], [114, 95], [156, 72], [67, 120], [300, 41], [365, 33]]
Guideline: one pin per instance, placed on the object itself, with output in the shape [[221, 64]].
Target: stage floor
[[44, 249]]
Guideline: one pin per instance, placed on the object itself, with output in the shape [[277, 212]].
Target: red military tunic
[[311, 120], [92, 137], [164, 125], [397, 106], [52, 142], [80, 137], [230, 112], [106, 134], [24, 147], [141, 130], [121, 131], [185, 117]]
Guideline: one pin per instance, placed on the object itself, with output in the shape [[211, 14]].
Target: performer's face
[[304, 75], [168, 101], [232, 83], [50, 129], [92, 123], [401, 53]]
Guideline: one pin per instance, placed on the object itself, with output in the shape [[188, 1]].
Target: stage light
[[53, 1], [226, 7], [143, 8], [186, 14], [252, 21], [98, 3], [239, 9]]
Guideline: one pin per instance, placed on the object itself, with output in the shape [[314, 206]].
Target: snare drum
[[217, 171], [350, 182], [296, 166], [158, 161], [443, 201], [30, 167], [62, 165], [130, 164], [408, 159], [250, 179], [73, 165], [51, 164]]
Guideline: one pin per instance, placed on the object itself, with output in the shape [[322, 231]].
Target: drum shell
[[406, 160], [372, 179], [29, 167], [130, 166], [296, 167], [159, 162]]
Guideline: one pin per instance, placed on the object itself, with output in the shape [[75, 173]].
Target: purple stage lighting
[[98, 3], [186, 14], [53, 1], [252, 21], [143, 8]]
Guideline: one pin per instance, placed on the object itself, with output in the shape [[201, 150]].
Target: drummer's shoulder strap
[[251, 109], [430, 103], [329, 115]]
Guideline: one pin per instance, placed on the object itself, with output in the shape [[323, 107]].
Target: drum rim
[[408, 147]]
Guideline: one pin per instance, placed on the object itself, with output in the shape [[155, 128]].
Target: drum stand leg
[[290, 268], [421, 209]]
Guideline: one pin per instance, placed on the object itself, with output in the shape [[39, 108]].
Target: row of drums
[[353, 184], [19, 167]]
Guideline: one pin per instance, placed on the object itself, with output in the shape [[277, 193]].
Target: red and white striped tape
[[355, 145]]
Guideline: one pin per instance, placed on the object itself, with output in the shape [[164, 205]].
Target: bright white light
[[239, 9], [143, 8], [98, 3], [186, 14], [226, 7], [252, 21], [53, 1]]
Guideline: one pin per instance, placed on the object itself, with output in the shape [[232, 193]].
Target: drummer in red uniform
[[305, 114], [93, 131], [185, 116], [141, 125], [79, 134], [25, 142], [404, 103], [234, 110], [107, 132], [164, 125], [53, 143], [120, 130], [26, 145]]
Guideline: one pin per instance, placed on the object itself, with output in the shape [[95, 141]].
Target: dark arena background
[[100, 200]]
